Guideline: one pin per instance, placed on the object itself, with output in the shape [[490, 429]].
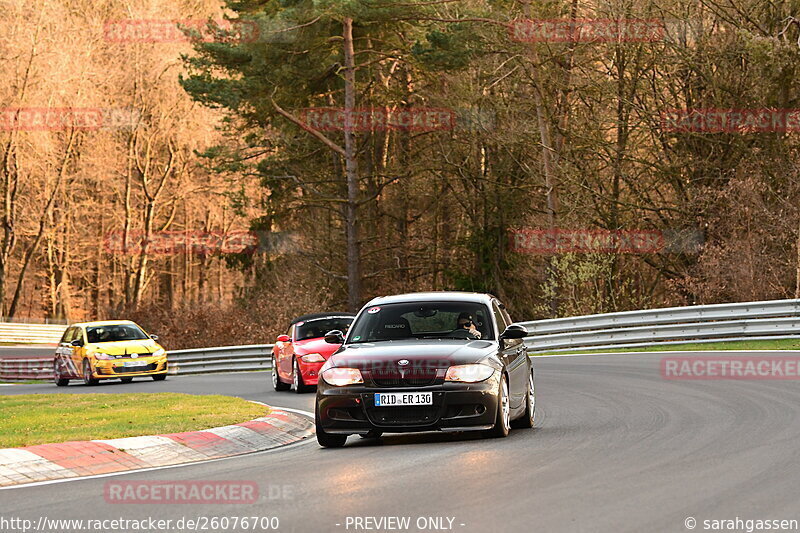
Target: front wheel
[[526, 421], [328, 440], [126, 380], [297, 379], [277, 384], [371, 434], [502, 424], [88, 379], [60, 382], [159, 377]]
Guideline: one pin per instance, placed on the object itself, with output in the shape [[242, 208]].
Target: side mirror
[[284, 338], [154, 337], [334, 337], [77, 342], [514, 331]]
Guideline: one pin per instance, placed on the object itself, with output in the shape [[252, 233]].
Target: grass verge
[[45, 418], [778, 344]]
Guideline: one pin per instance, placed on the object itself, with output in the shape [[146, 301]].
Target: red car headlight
[[339, 377], [313, 358]]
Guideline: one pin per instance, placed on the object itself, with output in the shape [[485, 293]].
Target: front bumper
[[116, 368], [456, 407]]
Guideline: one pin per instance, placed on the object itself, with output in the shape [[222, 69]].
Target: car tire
[[159, 377], [60, 382], [502, 424], [372, 434], [277, 384], [328, 440], [126, 380], [297, 379], [526, 420], [88, 379]]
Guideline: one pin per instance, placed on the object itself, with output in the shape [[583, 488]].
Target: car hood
[[315, 346], [430, 353], [145, 346]]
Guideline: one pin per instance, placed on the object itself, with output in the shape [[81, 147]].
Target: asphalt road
[[615, 448]]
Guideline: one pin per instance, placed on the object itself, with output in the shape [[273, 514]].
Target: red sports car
[[299, 354]]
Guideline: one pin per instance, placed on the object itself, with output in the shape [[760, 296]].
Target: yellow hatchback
[[112, 349]]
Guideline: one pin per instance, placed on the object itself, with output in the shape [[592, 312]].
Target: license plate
[[133, 364], [394, 399]]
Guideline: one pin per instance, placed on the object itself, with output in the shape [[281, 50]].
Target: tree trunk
[[351, 173], [797, 282]]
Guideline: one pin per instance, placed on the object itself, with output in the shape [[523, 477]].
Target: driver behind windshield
[[466, 322]]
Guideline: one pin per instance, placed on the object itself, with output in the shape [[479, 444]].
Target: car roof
[[436, 296], [314, 316], [104, 323]]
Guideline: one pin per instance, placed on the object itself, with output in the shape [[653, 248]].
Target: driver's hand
[[474, 331]]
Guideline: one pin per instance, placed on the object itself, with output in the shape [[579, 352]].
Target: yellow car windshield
[[114, 333]]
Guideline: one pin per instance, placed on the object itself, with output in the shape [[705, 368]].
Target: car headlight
[[159, 352], [102, 356], [469, 373], [313, 358], [339, 377]]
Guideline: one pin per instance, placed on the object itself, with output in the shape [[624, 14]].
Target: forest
[[213, 168]]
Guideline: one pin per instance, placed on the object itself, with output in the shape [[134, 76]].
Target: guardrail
[[31, 333], [26, 369], [777, 319], [774, 319], [222, 359], [197, 361]]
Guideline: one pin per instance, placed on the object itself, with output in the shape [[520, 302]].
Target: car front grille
[[130, 369], [411, 378], [414, 416]]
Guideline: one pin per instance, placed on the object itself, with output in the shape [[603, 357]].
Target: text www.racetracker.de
[[122, 525]]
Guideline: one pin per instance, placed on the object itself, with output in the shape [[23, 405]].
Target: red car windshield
[[316, 328]]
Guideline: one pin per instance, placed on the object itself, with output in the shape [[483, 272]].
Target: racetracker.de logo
[[731, 120], [181, 492], [65, 118], [587, 30], [180, 242], [180, 31], [379, 119], [553, 241], [730, 367]]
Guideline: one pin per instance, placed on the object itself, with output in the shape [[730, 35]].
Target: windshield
[[422, 320], [316, 328], [116, 332]]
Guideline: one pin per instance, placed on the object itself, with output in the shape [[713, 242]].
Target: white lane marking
[[112, 474]]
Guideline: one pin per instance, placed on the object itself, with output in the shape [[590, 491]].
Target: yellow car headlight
[[159, 352]]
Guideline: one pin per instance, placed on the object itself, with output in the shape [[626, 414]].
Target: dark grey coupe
[[446, 361]]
